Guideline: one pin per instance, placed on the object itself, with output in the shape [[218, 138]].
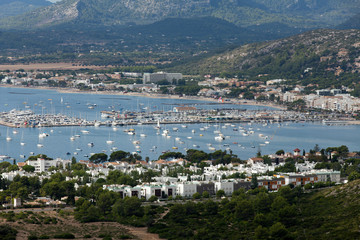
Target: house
[[300, 179], [148, 191], [43, 165], [255, 160], [206, 186], [227, 187], [272, 184], [297, 152], [186, 189], [17, 202]]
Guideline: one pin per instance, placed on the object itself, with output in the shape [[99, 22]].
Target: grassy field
[[49, 224]]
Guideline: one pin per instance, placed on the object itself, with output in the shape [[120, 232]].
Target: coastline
[[148, 95]]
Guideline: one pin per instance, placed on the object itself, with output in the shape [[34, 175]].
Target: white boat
[[8, 138], [177, 139], [136, 142], [109, 142], [97, 124], [189, 137], [175, 129], [43, 135], [158, 125], [137, 146], [217, 132], [22, 143], [193, 131], [90, 144], [77, 136], [72, 138], [219, 138], [4, 157], [267, 142], [85, 131], [15, 131], [212, 148], [39, 145], [22, 156], [131, 133], [168, 136], [142, 135], [115, 129], [183, 126], [202, 129], [195, 146]]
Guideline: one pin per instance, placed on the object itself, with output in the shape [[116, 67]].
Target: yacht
[[109, 142], [39, 145], [90, 144]]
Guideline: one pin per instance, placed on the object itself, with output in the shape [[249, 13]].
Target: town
[[276, 92], [175, 176]]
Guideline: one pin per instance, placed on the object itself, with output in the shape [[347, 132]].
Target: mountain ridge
[[295, 13]]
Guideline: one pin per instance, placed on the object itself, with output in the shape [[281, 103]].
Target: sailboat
[[109, 141], [158, 124], [8, 138], [22, 143]]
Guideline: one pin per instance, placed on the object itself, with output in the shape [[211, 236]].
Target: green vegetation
[[7, 232], [288, 214]]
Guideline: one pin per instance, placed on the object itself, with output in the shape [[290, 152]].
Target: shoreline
[[155, 95]]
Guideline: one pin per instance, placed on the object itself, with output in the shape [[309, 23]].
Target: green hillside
[[328, 53], [331, 213]]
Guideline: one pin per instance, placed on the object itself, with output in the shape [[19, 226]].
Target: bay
[[58, 144]]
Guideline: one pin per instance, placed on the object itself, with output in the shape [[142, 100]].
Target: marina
[[149, 134]]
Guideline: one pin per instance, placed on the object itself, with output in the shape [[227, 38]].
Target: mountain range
[[17, 7], [244, 13]]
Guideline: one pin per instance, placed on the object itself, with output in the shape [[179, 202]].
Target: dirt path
[[142, 233]]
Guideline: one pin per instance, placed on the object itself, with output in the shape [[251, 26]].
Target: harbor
[[74, 125], [27, 118]]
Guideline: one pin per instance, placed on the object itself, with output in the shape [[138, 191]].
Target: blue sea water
[[285, 136]]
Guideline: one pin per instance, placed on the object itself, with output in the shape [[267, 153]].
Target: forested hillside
[[320, 54]]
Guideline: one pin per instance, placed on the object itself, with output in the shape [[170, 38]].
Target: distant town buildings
[[160, 76]]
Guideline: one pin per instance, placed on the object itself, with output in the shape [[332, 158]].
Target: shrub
[[65, 236]]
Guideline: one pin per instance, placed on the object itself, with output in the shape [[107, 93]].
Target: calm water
[[58, 144]]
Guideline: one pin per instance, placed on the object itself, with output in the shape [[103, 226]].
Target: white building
[[186, 189], [42, 165], [159, 76], [227, 187]]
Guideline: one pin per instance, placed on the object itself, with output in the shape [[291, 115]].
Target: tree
[[196, 195], [278, 231], [220, 193], [153, 199], [98, 158], [28, 168], [353, 176], [280, 152], [12, 168], [205, 194], [254, 182]]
